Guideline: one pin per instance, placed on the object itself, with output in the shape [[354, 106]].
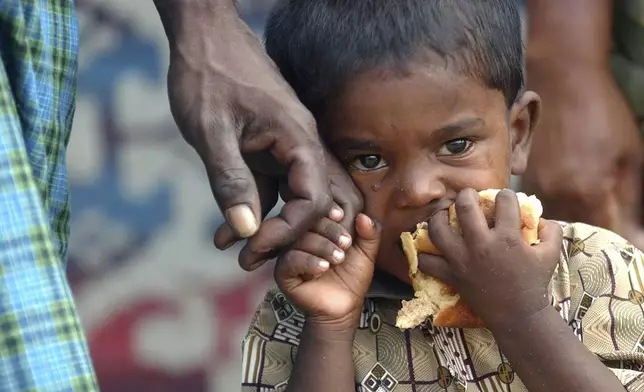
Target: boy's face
[[412, 143]]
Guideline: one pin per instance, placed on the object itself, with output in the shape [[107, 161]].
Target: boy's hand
[[500, 276], [325, 275]]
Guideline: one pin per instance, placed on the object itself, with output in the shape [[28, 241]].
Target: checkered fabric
[[42, 346]]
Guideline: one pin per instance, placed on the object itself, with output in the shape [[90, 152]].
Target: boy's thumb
[[368, 233], [550, 236]]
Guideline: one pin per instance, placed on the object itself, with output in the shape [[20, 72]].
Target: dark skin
[[411, 163], [479, 264], [598, 179], [255, 138]]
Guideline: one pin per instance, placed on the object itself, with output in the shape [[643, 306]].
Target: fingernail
[[370, 221], [338, 255], [228, 246], [323, 264], [242, 219], [344, 241], [254, 266], [336, 213]]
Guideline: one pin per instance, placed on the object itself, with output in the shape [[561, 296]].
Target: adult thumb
[[232, 183], [368, 234]]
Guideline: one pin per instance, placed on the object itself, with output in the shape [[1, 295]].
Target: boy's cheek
[[375, 208]]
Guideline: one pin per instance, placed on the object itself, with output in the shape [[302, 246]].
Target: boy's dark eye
[[455, 147], [368, 162]]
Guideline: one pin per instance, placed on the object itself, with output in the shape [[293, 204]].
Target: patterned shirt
[[597, 288], [42, 346]]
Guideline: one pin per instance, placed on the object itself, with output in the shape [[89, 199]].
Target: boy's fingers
[[368, 234], [345, 193], [296, 266], [336, 214], [321, 247], [251, 257], [550, 232], [334, 232], [507, 212], [436, 267], [442, 235], [550, 239], [470, 216]]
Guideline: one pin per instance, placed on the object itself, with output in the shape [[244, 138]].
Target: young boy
[[423, 100]]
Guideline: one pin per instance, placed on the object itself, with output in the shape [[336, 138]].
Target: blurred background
[[164, 310]]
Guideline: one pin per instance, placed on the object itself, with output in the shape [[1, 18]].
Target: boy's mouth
[[442, 205], [437, 206], [413, 228]]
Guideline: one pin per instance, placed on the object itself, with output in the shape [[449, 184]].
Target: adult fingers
[[296, 146], [225, 236], [336, 214], [250, 259], [231, 181]]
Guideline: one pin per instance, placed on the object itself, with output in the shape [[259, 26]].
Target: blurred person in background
[[586, 59], [229, 103]]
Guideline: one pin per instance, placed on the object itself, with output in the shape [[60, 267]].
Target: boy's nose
[[420, 188]]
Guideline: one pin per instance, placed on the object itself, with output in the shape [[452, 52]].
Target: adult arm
[[585, 162], [573, 30], [250, 130]]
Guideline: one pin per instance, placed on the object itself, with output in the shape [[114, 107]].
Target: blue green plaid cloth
[[42, 345]]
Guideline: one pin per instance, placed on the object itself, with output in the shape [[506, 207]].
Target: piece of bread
[[437, 300]]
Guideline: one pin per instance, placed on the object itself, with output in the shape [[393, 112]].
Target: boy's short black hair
[[318, 45]]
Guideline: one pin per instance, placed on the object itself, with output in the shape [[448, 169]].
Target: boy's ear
[[524, 116]]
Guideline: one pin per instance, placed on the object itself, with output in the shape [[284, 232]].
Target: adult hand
[[586, 157], [250, 130]]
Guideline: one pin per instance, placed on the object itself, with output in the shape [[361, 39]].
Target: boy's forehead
[[377, 100]]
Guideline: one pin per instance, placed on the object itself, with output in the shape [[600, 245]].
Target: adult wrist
[[568, 83], [183, 19], [556, 68]]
